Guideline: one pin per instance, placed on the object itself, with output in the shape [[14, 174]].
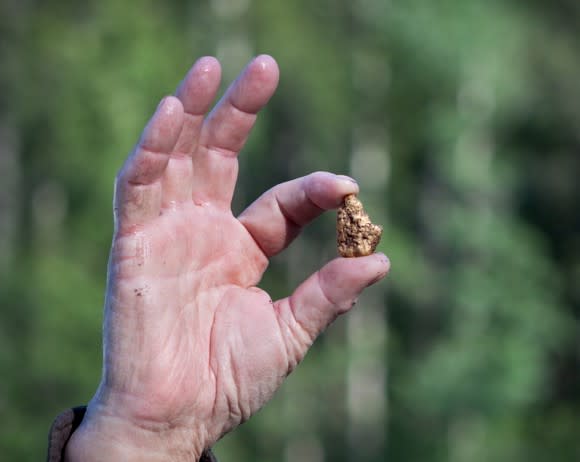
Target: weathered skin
[[357, 236], [192, 347]]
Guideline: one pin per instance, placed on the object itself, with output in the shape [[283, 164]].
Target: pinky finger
[[138, 189]]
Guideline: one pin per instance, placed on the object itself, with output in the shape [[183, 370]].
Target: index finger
[[277, 217]]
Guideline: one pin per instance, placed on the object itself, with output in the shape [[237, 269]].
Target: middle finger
[[226, 130]]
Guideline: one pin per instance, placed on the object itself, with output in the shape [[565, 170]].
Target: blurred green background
[[461, 121]]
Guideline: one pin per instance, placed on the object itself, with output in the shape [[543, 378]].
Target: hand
[[192, 347]]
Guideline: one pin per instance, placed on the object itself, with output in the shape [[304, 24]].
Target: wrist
[[105, 436]]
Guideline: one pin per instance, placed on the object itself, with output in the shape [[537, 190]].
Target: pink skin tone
[[192, 347]]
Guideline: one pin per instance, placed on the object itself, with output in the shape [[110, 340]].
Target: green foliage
[[460, 120]]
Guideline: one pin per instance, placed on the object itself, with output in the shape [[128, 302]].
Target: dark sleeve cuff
[[67, 422]]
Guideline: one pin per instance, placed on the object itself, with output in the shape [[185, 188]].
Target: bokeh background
[[461, 121]]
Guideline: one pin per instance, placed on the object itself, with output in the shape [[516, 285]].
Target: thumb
[[325, 295]]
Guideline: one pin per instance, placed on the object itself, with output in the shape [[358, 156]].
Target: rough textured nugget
[[356, 235]]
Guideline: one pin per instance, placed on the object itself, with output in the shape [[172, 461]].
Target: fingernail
[[160, 103], [384, 259], [347, 178], [381, 274]]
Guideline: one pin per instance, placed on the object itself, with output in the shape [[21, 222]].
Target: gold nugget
[[356, 235]]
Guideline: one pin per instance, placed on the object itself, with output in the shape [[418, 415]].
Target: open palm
[[192, 346]]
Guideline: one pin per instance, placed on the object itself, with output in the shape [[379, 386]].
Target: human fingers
[[196, 92], [328, 293], [138, 191], [277, 216], [226, 129]]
